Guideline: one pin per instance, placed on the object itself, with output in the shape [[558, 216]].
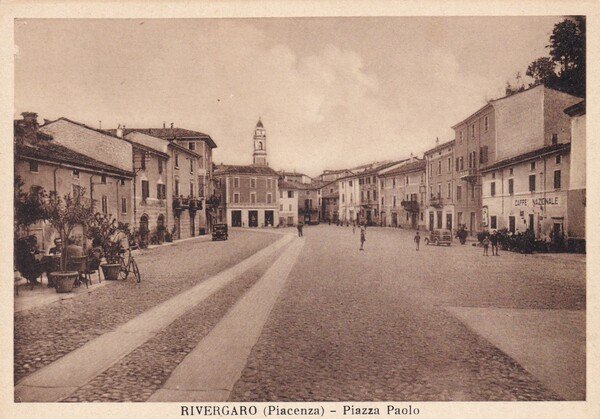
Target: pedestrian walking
[[494, 242], [417, 240], [486, 245], [300, 225], [363, 239]]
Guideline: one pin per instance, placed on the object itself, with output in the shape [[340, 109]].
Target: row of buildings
[[516, 163], [154, 179]]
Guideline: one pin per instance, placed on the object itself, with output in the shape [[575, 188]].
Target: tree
[[542, 72], [28, 206], [64, 214], [564, 69]]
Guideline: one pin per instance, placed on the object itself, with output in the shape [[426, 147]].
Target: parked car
[[438, 237], [219, 232]]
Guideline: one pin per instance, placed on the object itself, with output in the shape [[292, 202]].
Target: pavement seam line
[[216, 363], [75, 368]]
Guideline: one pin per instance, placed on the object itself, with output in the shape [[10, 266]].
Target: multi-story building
[[576, 196], [504, 128], [349, 203], [288, 203], [41, 162], [368, 181], [402, 195], [249, 194], [152, 206], [309, 202], [330, 197], [439, 199], [189, 176], [529, 192]]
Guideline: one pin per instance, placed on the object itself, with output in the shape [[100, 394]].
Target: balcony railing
[[469, 174], [436, 202], [410, 206]]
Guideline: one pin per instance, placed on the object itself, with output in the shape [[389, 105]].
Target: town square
[[282, 210]]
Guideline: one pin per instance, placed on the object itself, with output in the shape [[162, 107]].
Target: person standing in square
[[417, 240]]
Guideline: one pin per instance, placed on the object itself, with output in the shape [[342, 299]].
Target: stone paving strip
[[212, 369], [45, 334], [139, 374], [64, 376]]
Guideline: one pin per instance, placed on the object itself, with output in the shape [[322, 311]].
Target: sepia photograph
[[373, 211]]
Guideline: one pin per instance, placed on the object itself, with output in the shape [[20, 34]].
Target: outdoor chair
[[79, 264], [92, 266]]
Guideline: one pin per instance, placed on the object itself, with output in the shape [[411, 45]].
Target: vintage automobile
[[439, 237], [219, 232]]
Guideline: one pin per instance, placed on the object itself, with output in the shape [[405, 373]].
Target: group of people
[[493, 240], [31, 263]]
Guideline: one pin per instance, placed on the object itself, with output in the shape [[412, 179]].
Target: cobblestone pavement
[[145, 370], [45, 334], [371, 325]]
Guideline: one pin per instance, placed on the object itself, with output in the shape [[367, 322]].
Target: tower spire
[[259, 156]]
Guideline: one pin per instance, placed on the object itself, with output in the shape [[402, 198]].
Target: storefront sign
[[536, 202], [484, 216]]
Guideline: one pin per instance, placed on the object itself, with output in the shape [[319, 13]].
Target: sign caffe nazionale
[[536, 202]]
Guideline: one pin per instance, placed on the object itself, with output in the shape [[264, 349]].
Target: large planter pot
[[111, 271], [64, 280]]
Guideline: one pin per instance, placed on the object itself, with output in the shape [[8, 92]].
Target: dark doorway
[[449, 222], [369, 218], [192, 224], [269, 218], [439, 220], [413, 220], [531, 221], [394, 219], [511, 223], [253, 218], [431, 221], [236, 218]]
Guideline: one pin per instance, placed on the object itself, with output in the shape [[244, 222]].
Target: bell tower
[[259, 156]]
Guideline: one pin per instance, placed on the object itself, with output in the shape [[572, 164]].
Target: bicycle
[[129, 266]]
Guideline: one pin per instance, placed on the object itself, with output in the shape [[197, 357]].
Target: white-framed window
[[473, 131], [192, 145], [33, 167], [103, 179], [124, 205], [176, 160], [191, 189], [191, 165], [253, 198], [394, 200], [253, 182], [236, 198], [104, 204], [558, 159], [290, 194], [145, 190], [269, 198], [236, 182], [486, 123], [76, 174]]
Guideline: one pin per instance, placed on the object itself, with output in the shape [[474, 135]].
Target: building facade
[[439, 200], [250, 195], [504, 128], [288, 203], [402, 195], [576, 195], [349, 203], [331, 175], [42, 163], [529, 192], [330, 197]]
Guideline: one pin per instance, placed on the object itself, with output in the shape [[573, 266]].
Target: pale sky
[[332, 92]]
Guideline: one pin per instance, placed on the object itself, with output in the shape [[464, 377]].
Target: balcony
[[180, 203], [195, 204], [410, 206], [470, 175], [436, 202]]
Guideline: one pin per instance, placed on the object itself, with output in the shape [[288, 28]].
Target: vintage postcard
[[272, 212]]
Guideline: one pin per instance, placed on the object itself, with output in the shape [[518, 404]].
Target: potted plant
[[64, 214], [102, 229]]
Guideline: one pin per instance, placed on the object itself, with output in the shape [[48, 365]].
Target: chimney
[[164, 124], [171, 125], [30, 119], [437, 141], [412, 158], [120, 131], [99, 124]]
